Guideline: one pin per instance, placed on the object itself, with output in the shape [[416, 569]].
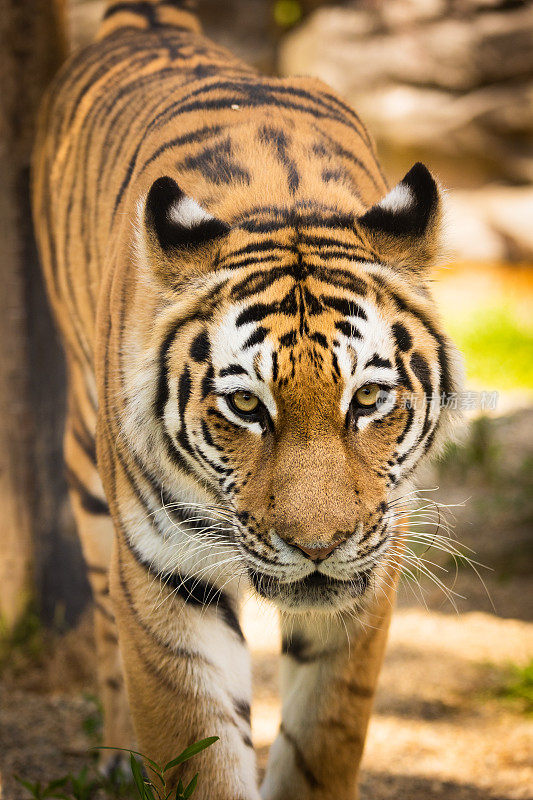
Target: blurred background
[[448, 82]]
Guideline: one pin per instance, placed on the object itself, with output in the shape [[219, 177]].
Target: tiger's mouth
[[316, 591]]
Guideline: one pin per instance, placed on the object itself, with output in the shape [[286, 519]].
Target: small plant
[[83, 787], [92, 723], [71, 787], [518, 688], [23, 644], [147, 789], [40, 792], [478, 456]]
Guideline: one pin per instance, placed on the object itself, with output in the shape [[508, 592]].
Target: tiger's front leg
[[330, 668], [187, 674]]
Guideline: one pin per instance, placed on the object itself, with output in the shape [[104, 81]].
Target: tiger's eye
[[367, 395], [245, 402]]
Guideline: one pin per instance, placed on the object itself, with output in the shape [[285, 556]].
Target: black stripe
[[256, 313], [207, 382], [297, 647], [446, 383], [275, 366], [89, 502], [300, 761], [208, 438], [254, 248], [319, 338], [256, 337], [247, 262], [377, 361], [277, 138], [254, 92], [217, 164], [197, 593], [143, 9], [95, 569], [408, 423], [233, 369], [242, 709], [200, 347], [193, 137], [402, 372], [342, 278], [84, 439], [173, 651], [420, 367], [103, 610], [358, 690], [402, 337], [344, 306], [348, 329], [271, 219]]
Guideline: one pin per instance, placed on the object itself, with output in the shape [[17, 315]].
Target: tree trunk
[[33, 518]]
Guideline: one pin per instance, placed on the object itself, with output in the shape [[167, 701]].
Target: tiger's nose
[[318, 553]]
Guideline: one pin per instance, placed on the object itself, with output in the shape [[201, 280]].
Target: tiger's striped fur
[[203, 231]]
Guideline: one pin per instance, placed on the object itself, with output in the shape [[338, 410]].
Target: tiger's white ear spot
[[187, 213], [399, 199]]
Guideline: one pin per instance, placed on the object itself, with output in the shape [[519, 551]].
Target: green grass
[[477, 457], [93, 723], [23, 644], [517, 688], [498, 350]]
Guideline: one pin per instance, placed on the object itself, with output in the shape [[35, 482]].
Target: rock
[[453, 54], [490, 224], [454, 79], [403, 13]]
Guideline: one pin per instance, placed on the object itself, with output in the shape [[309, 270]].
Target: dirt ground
[[444, 725]]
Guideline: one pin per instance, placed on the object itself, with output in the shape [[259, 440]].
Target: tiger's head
[[302, 374]]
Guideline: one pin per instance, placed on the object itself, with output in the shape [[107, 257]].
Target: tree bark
[[32, 489]]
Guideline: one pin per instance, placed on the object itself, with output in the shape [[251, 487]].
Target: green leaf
[[190, 788], [57, 784], [191, 751], [33, 788], [137, 776], [148, 791]]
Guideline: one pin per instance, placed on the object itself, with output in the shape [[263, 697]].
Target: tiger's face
[[304, 387]]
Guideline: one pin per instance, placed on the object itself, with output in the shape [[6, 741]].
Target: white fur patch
[[188, 213], [227, 344], [375, 338], [401, 198]]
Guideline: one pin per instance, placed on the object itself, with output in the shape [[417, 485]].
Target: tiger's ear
[[180, 236], [404, 228]]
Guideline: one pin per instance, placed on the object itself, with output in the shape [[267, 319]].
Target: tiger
[[253, 354]]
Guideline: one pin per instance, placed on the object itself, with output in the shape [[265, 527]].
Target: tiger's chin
[[316, 592]]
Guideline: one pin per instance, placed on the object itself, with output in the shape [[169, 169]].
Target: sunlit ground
[[436, 721]]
